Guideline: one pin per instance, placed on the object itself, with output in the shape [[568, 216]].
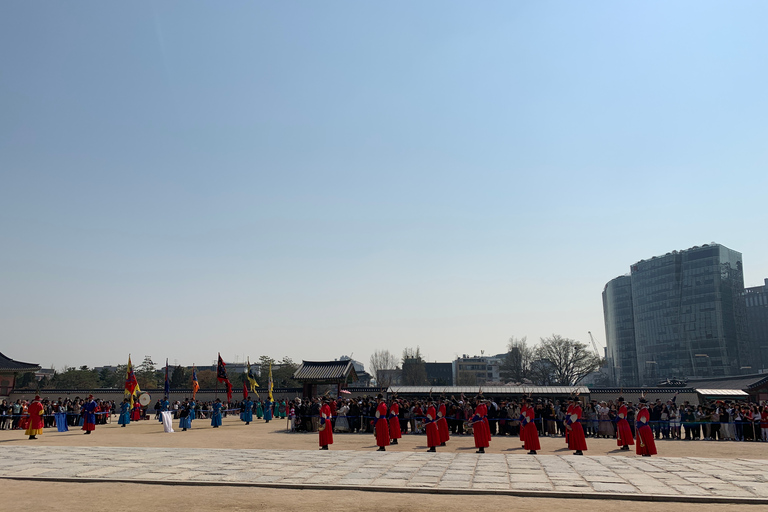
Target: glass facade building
[[756, 299], [621, 354], [688, 317]]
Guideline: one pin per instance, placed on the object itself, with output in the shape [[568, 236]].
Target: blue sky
[[316, 179]]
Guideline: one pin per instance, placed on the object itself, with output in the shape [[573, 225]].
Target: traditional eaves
[[10, 365], [325, 371]]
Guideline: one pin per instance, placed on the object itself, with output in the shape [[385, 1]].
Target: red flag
[[245, 391]]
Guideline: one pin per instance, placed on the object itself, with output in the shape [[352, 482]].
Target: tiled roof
[[319, 371], [9, 365], [742, 382], [490, 391]]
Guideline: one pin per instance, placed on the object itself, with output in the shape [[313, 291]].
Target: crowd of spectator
[[720, 420]]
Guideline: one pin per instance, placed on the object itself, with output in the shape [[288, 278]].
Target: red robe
[[442, 424], [577, 440], [623, 432], [484, 409], [530, 433], [433, 434], [136, 413], [645, 443], [326, 435], [35, 426], [381, 426], [394, 422], [478, 429]]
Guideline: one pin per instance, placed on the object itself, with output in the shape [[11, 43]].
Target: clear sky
[[312, 179]]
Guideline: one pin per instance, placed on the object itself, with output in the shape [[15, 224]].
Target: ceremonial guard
[[185, 417], [216, 413], [88, 412], [623, 433], [125, 413], [381, 427], [247, 411], [433, 434], [478, 430], [326, 426], [394, 422], [35, 426], [136, 411], [576, 440], [442, 424], [528, 428], [267, 411], [484, 414], [646, 446], [568, 412]]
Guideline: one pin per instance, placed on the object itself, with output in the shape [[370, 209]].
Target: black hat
[[642, 400], [621, 399], [380, 396]]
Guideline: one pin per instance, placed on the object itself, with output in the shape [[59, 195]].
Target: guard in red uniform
[[35, 411], [326, 426], [136, 411], [623, 432], [381, 426], [394, 422], [528, 428], [568, 412], [478, 430], [433, 434], [484, 413], [442, 424], [645, 443], [576, 441]]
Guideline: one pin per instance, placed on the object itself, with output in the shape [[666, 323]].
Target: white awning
[[722, 392]]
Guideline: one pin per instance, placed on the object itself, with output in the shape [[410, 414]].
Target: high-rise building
[[688, 317], [621, 354], [756, 299]]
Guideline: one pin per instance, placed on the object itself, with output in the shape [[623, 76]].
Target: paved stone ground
[[734, 480]]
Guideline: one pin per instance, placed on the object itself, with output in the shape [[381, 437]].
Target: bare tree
[[570, 360], [517, 363], [382, 360]]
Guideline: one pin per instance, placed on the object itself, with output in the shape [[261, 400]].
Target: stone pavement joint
[[683, 479]]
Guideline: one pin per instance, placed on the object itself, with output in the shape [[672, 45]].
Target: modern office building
[[477, 370], [621, 354], [756, 299], [688, 317], [439, 374]]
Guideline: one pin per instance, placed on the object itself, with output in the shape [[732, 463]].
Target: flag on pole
[[221, 375], [167, 382], [245, 390], [195, 384], [251, 379], [131, 384], [271, 384]]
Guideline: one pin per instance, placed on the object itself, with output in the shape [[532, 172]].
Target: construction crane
[[594, 345]]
